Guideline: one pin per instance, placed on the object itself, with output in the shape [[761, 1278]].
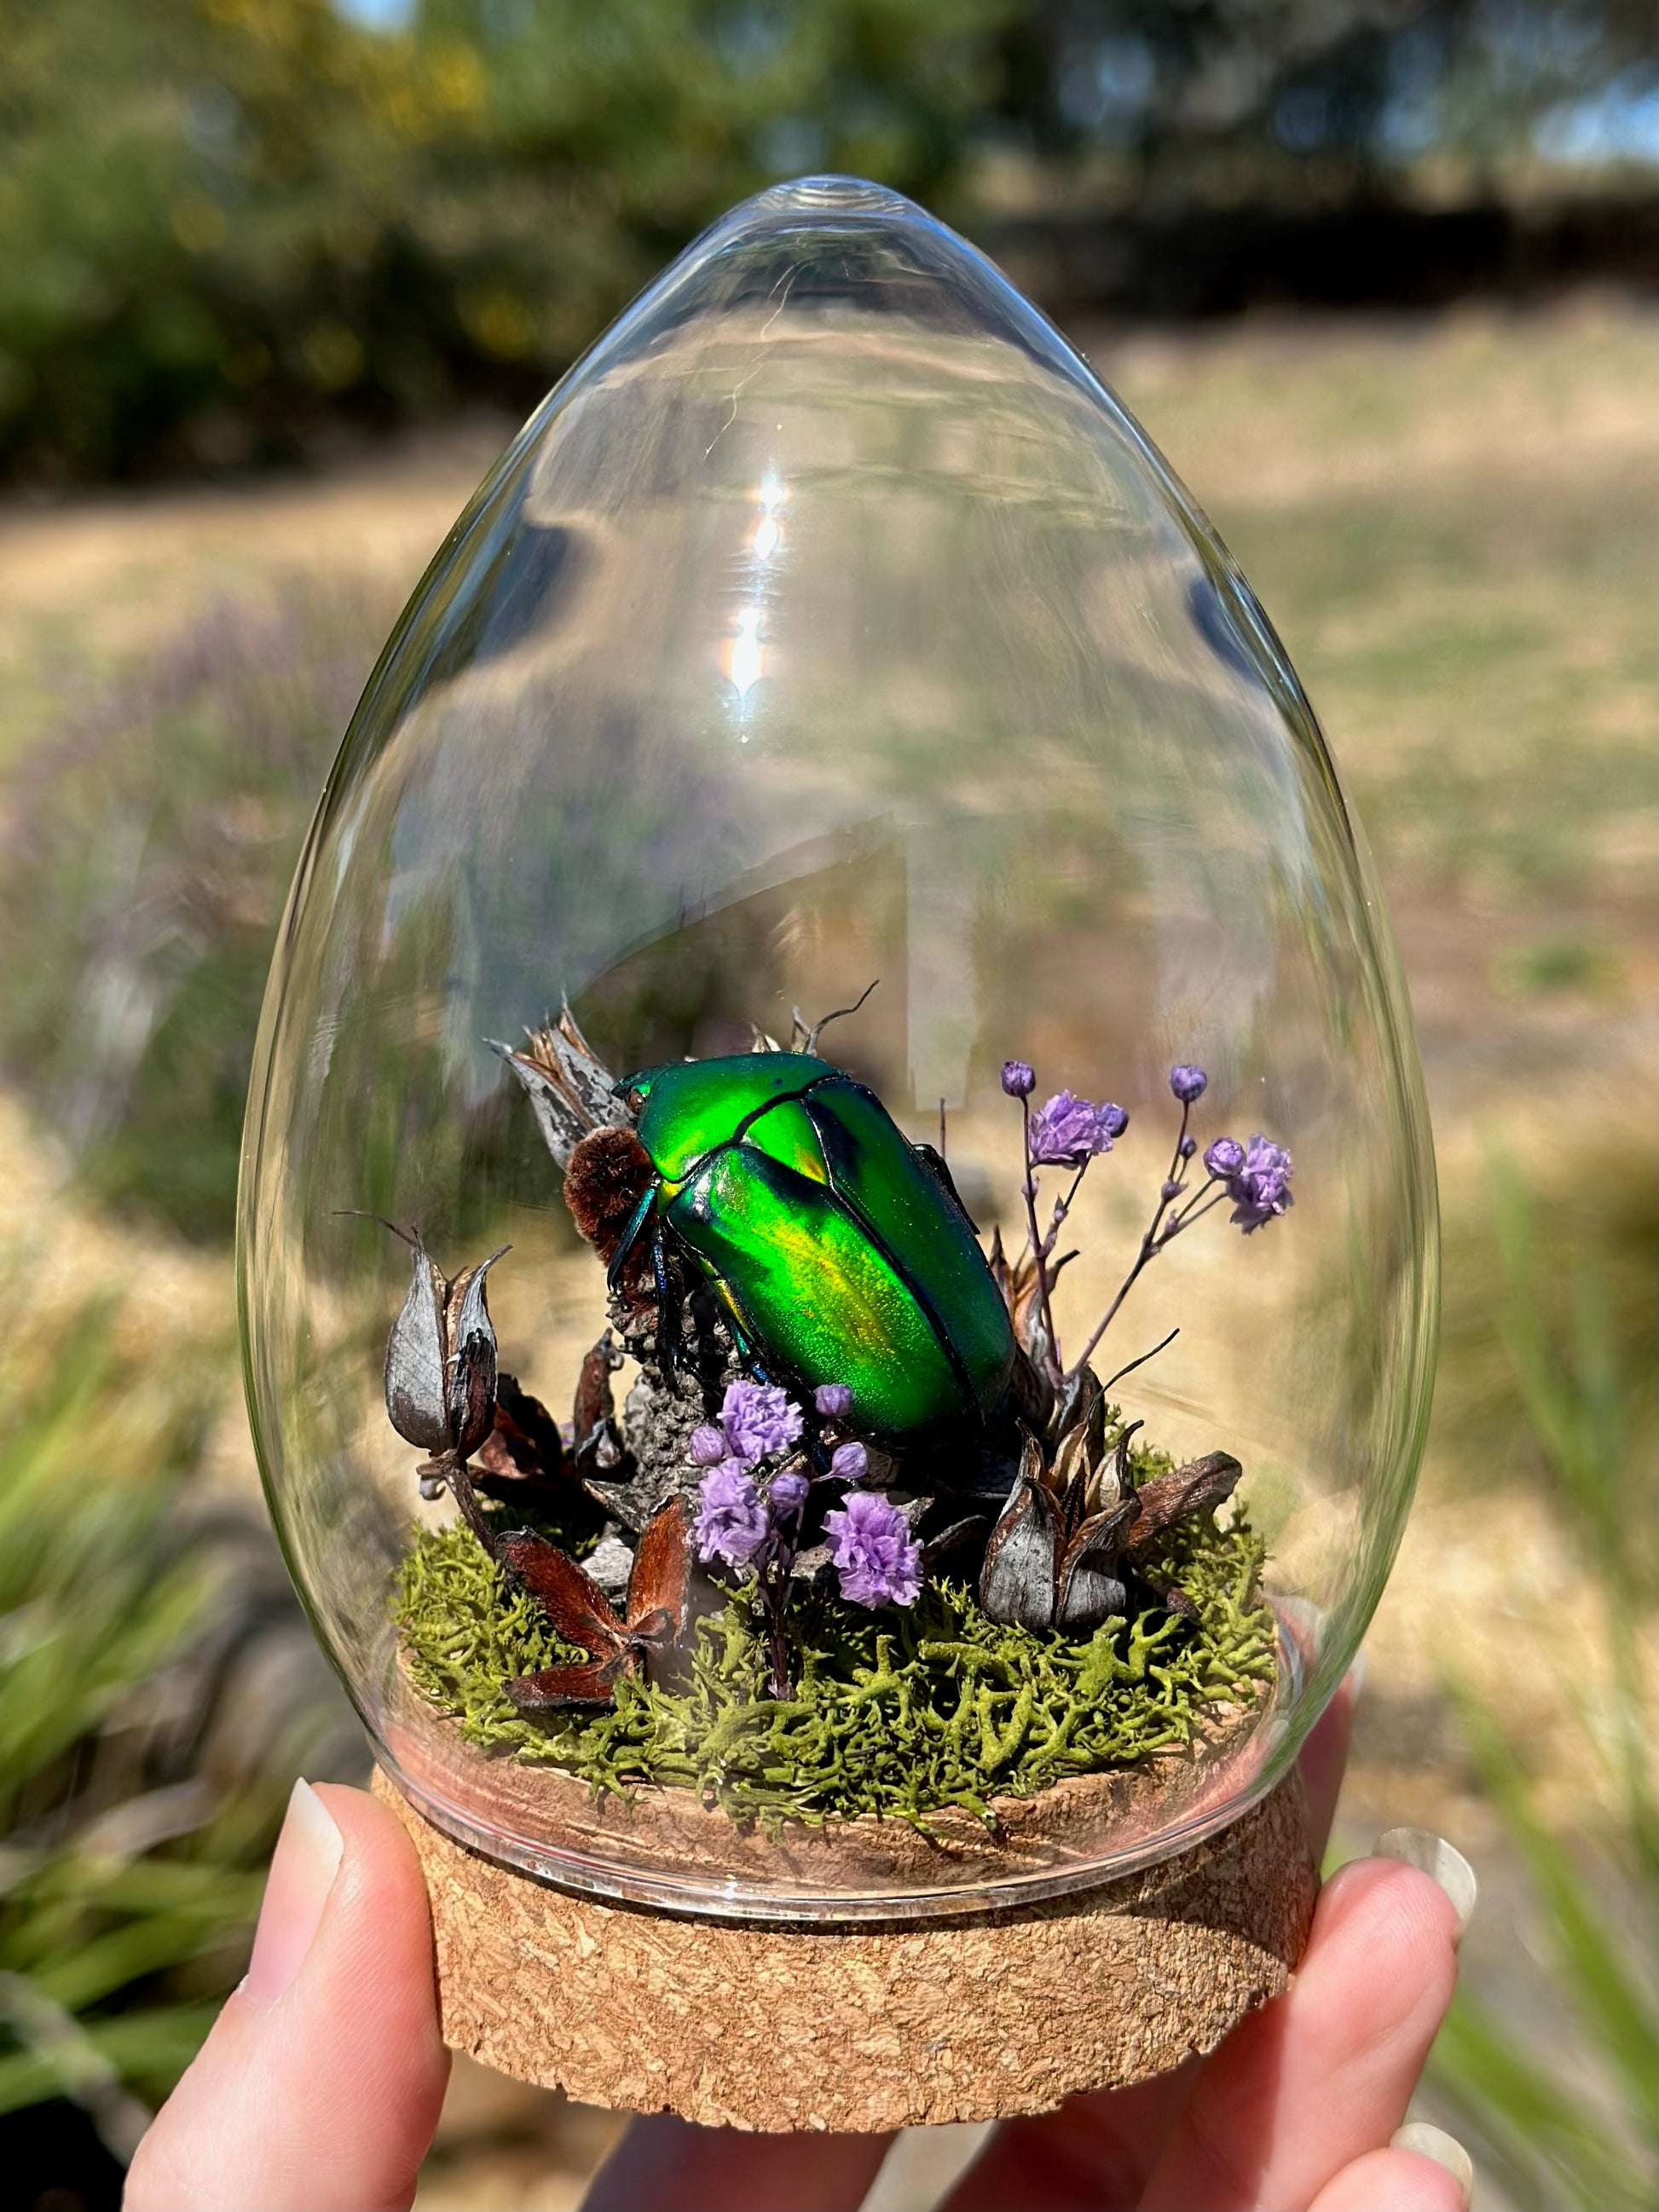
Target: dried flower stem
[[1158, 1234], [774, 1593], [457, 1473], [1040, 1249], [1195, 1211], [772, 1581]]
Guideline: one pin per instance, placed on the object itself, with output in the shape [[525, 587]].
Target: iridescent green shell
[[837, 1250]]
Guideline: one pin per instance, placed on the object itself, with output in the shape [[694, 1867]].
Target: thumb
[[319, 2086]]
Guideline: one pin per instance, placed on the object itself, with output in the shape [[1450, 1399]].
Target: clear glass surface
[[831, 622]]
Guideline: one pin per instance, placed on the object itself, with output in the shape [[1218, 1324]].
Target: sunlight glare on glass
[[768, 531], [745, 656]]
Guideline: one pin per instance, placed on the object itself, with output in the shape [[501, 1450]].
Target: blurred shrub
[[157, 1690], [221, 219], [148, 849]]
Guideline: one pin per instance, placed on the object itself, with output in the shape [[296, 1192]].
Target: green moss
[[899, 1713]]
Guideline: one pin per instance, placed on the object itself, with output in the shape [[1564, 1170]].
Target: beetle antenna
[[410, 1236], [840, 1014], [1141, 1362]]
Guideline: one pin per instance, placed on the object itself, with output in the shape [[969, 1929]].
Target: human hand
[[320, 2084], [1296, 2112]]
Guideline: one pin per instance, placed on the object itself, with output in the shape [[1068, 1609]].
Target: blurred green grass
[[1577, 2126], [132, 1828]]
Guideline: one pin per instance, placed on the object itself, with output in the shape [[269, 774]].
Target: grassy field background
[[1450, 521]]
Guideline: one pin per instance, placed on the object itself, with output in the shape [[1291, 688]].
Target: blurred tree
[[1236, 100], [223, 220]]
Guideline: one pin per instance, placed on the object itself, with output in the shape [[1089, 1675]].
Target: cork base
[[783, 2027]]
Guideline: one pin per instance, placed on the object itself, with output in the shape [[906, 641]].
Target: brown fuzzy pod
[[609, 1174]]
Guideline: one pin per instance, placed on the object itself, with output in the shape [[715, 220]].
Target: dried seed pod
[[1088, 1589], [524, 1449], [1073, 1525], [1017, 1279], [659, 1591], [440, 1359], [470, 1361], [417, 1393], [569, 1087], [1017, 1582], [1198, 1487], [594, 1412], [1031, 1392]]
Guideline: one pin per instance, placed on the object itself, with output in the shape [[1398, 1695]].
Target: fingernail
[[1433, 1856], [302, 1871], [1434, 2143]]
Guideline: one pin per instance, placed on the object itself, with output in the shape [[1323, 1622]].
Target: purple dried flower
[[1187, 1147], [758, 1418], [834, 1400], [706, 1446], [1224, 1158], [1171, 1190], [849, 1462], [1018, 1079], [732, 1523], [1066, 1130], [788, 1491], [1188, 1081], [874, 1555], [1260, 1188]]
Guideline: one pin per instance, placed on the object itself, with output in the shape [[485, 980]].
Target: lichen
[[901, 1713]]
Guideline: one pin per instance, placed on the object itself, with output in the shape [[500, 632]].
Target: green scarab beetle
[[838, 1250]]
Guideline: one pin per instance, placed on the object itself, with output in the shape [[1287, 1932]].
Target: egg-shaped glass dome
[[837, 1226]]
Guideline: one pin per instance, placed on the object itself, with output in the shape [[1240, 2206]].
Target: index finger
[[1098, 2150]]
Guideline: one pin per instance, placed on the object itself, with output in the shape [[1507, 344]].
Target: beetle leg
[[668, 1309], [630, 1237], [742, 1336]]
